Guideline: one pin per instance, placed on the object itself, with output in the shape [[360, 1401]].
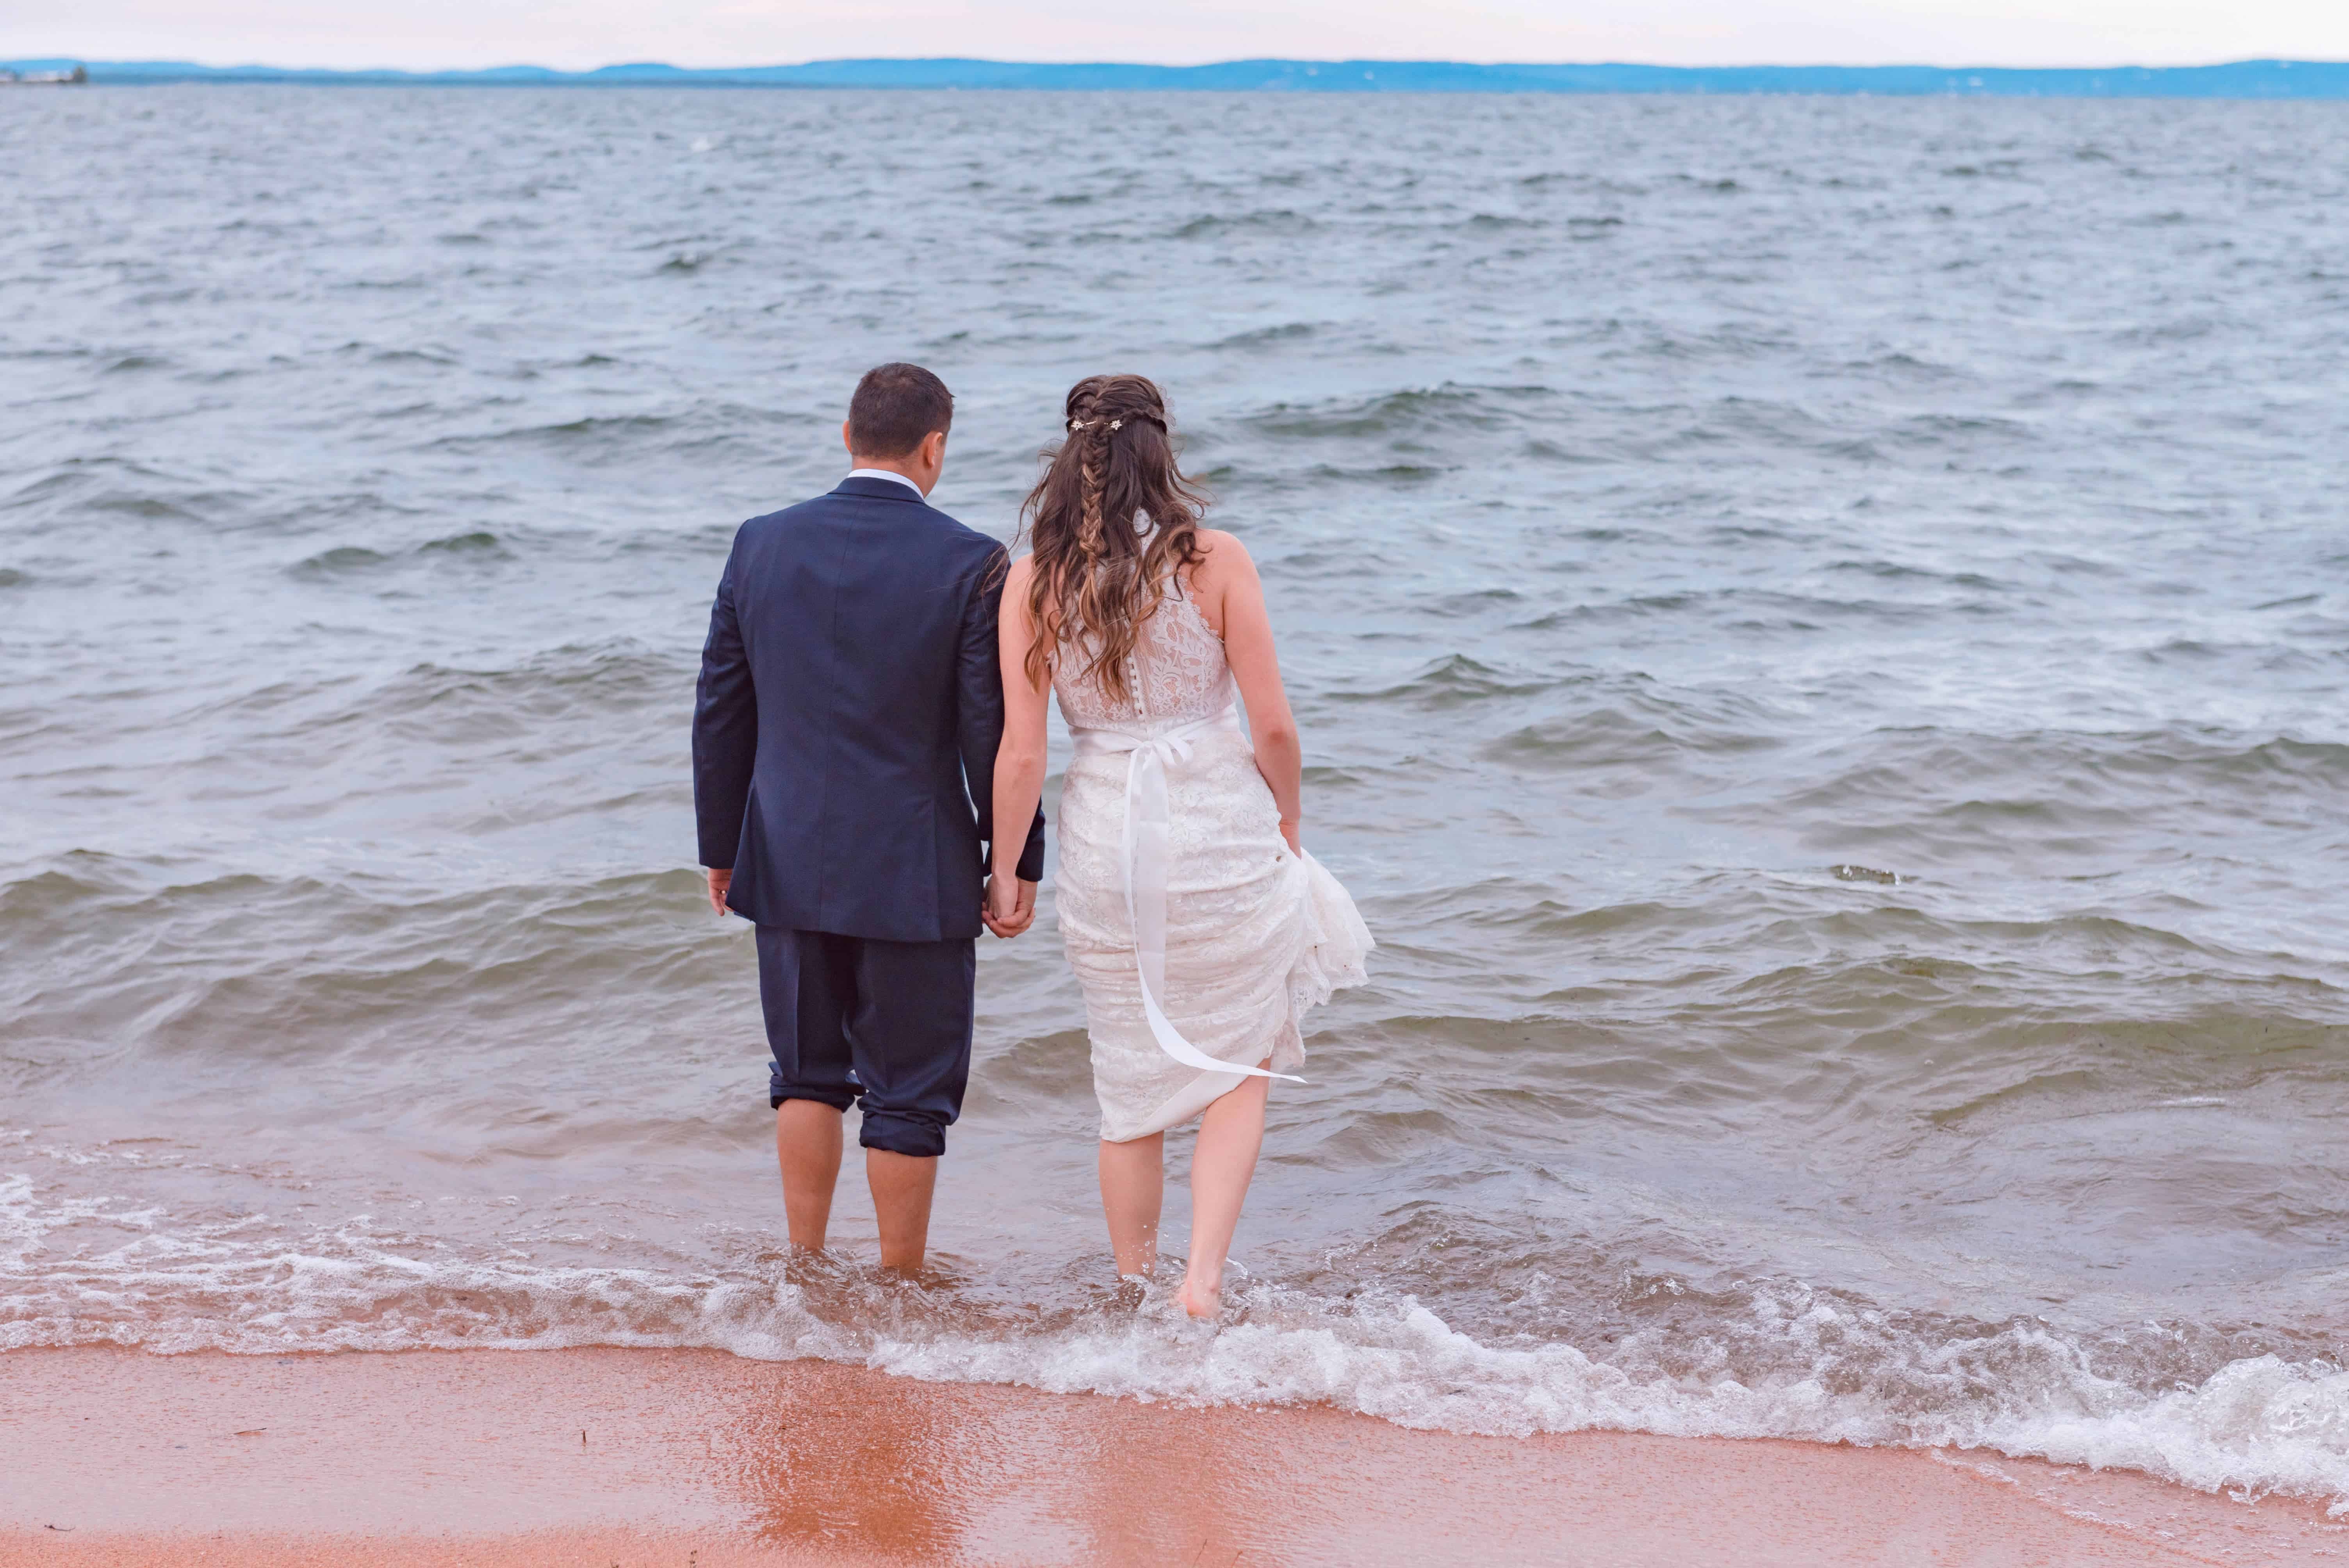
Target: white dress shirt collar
[[888, 474]]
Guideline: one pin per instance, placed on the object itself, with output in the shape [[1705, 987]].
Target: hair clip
[[1114, 424]]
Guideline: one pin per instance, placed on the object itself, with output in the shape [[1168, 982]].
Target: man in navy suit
[[844, 765]]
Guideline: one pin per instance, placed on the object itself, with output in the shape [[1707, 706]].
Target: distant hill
[[2242, 79]]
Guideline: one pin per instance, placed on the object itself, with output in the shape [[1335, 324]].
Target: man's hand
[[1010, 906], [721, 878]]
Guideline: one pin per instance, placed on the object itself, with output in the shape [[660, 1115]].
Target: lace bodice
[[1178, 674]]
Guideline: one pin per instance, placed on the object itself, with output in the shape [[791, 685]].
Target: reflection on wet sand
[[851, 1463], [856, 1463], [502, 1458]]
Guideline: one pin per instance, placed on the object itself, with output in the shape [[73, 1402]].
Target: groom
[[843, 763]]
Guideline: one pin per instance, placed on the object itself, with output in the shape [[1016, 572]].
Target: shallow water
[[1821, 627]]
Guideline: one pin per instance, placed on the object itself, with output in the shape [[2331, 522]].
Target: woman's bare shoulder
[[1221, 557]]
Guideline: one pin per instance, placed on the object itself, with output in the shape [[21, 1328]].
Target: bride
[[1198, 926]]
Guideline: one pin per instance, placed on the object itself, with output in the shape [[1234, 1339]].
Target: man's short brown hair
[[895, 407]]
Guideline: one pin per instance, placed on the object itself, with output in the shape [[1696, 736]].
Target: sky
[[577, 34]]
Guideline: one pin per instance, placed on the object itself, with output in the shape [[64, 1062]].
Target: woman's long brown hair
[[1096, 574]]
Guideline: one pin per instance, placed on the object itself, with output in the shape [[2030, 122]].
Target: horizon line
[[2260, 78], [1488, 65]]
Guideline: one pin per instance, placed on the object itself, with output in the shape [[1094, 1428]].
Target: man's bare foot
[[1199, 1302], [934, 1274]]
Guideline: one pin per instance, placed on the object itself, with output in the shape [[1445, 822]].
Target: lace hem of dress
[[1337, 944]]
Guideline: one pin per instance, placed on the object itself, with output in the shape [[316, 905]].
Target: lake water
[[1821, 628]]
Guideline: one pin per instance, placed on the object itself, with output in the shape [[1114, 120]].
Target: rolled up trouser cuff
[[778, 1092], [922, 1137], [886, 1024]]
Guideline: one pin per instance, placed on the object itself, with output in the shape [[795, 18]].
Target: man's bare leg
[[807, 1148], [902, 1187]]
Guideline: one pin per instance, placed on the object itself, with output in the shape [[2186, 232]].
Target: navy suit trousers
[[884, 1025]]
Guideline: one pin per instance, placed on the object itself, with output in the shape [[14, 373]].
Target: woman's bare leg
[[1230, 1135], [1133, 1188]]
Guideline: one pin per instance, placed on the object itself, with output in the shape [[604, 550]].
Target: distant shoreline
[[2242, 79]]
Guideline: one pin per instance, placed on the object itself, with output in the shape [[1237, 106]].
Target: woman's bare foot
[[1199, 1302]]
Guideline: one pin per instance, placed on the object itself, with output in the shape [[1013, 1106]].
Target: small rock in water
[[1862, 873]]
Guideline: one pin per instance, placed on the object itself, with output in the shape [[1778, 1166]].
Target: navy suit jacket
[[849, 711]]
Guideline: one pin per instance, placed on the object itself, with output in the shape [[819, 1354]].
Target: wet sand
[[645, 1457]]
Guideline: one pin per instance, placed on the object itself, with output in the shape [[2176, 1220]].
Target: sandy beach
[[645, 1457]]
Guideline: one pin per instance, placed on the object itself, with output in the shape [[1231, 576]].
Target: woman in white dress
[[1200, 929]]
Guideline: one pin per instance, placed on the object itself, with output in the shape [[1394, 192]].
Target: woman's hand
[[1288, 832], [1010, 906]]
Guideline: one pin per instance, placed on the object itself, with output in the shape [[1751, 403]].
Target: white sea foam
[[2259, 1424]]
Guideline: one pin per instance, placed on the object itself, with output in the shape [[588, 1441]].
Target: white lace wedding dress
[[1167, 829]]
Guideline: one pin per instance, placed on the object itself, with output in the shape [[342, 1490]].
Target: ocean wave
[[1990, 786], [1277, 222], [476, 546], [1622, 737], [1408, 411], [340, 562], [380, 990], [561, 690], [439, 702], [727, 433], [1262, 337], [1833, 1370], [1450, 682]]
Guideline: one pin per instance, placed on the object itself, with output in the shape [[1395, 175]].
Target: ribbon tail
[[1170, 1040], [1146, 826]]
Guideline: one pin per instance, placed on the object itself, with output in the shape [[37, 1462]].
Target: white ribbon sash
[[1148, 824]]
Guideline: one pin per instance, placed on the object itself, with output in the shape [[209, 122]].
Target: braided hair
[[1096, 571]]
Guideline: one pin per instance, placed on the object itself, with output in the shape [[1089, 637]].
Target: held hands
[[1009, 907]]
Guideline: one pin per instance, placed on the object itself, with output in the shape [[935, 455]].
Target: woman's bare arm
[[1020, 760], [1233, 596]]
